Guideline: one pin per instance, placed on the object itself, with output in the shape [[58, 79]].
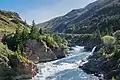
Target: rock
[[103, 67], [34, 49], [28, 69], [34, 58], [91, 67], [95, 64], [17, 70], [39, 52], [14, 61], [113, 73], [70, 48], [59, 52]]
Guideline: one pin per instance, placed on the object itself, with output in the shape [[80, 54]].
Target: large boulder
[[59, 52], [38, 51], [16, 69], [27, 71]]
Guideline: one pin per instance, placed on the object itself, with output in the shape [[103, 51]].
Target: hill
[[88, 19], [9, 21]]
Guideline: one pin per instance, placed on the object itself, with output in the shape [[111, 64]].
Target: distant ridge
[[87, 19]]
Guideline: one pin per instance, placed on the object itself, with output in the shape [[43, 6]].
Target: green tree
[[32, 27], [33, 23], [40, 31], [25, 22], [25, 34]]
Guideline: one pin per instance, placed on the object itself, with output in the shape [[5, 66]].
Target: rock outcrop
[[39, 52], [59, 52], [15, 69], [102, 67], [14, 66], [27, 70]]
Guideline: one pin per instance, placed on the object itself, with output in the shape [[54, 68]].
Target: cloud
[[61, 7]]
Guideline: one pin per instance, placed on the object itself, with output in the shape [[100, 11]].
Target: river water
[[66, 68]]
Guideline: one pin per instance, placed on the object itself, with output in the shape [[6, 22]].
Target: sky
[[42, 10]]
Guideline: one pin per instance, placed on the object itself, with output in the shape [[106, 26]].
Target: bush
[[60, 41], [15, 41], [117, 34], [108, 40], [50, 41]]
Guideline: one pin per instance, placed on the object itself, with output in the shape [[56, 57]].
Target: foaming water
[[66, 68], [91, 53]]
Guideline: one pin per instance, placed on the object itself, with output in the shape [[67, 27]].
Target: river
[[66, 68]]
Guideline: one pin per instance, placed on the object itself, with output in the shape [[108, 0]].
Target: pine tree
[[33, 23], [40, 31], [32, 28], [25, 22]]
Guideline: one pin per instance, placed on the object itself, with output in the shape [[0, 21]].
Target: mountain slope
[[61, 21], [84, 20], [9, 21]]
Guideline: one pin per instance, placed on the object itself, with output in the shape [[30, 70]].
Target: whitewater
[[66, 68]]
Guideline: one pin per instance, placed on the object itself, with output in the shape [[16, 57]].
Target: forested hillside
[[101, 14]]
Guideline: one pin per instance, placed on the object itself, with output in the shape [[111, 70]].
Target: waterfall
[[93, 50]]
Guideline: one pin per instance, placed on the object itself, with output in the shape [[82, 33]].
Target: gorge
[[66, 68], [84, 44]]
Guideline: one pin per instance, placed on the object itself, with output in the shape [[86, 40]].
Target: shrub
[[50, 41], [108, 40], [117, 34], [113, 78], [15, 41]]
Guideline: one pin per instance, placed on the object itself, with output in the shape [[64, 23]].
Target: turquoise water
[[66, 68]]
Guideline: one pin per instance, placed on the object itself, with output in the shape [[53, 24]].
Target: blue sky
[[42, 10]]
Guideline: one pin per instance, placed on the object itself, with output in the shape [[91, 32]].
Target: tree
[[33, 23], [24, 34], [25, 22], [32, 27], [40, 31]]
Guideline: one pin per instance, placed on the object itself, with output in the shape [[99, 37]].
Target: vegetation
[[9, 62], [99, 26], [10, 21], [108, 40], [15, 41], [13, 32]]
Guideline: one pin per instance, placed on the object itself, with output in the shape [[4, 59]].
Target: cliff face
[[40, 52], [105, 61], [12, 64], [15, 66]]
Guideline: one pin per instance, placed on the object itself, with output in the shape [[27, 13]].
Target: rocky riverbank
[[106, 68], [40, 52], [15, 66], [106, 60], [22, 46]]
